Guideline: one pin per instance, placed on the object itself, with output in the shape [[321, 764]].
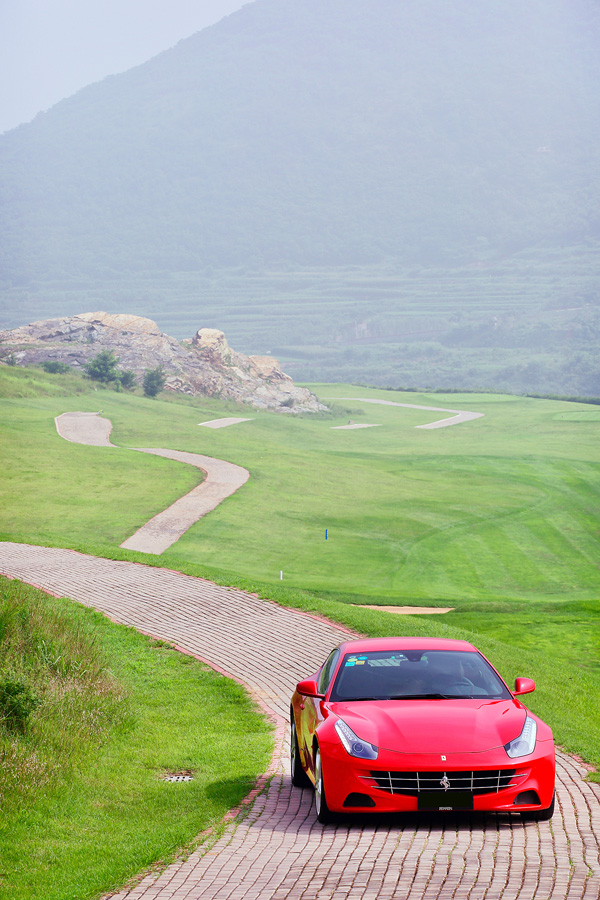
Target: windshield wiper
[[354, 699], [425, 697]]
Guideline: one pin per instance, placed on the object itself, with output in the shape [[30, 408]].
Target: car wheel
[[323, 812], [299, 776], [539, 815]]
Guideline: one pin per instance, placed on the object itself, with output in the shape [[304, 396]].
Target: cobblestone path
[[278, 850]]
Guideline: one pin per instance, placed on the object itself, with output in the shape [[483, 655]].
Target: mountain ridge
[[297, 136], [270, 133]]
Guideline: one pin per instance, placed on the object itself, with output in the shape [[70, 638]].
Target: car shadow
[[296, 806]]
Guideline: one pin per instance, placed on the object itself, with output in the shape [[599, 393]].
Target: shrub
[[103, 367], [17, 702], [154, 381], [54, 367], [128, 380]]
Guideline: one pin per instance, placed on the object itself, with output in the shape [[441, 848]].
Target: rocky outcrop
[[205, 365]]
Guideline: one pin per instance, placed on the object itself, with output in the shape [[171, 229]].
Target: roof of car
[[364, 645]]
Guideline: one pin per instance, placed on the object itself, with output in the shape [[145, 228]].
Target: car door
[[310, 707]]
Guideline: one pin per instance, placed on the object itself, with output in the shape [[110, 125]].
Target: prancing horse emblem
[[445, 783]]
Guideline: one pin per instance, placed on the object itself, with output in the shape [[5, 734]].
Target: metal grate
[[177, 776], [414, 783]]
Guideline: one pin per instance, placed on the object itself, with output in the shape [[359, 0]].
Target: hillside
[[298, 135], [204, 366]]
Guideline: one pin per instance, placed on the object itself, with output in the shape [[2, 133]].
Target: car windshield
[[420, 674]]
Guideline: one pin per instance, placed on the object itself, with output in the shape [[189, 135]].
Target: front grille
[[414, 783]]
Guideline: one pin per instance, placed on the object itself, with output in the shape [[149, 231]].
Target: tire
[[299, 777], [323, 813], [540, 815]]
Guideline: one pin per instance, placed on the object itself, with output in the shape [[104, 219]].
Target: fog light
[[526, 798], [359, 800]]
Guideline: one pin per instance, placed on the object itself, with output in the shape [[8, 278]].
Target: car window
[[327, 671], [417, 674]]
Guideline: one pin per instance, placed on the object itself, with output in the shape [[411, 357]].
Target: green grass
[[81, 485], [83, 805], [497, 518], [497, 515]]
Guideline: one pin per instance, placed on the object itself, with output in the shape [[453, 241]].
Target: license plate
[[446, 800]]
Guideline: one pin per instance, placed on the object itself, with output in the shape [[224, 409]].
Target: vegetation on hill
[[388, 191]]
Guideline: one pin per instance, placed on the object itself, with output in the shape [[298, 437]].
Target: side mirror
[[308, 688], [524, 686]]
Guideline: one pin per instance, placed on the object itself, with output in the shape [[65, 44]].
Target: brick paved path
[[278, 850], [222, 480]]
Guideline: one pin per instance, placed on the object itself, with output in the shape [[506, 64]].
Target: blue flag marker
[[326, 534]]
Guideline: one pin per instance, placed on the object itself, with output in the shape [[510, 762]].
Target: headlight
[[353, 744], [525, 743]]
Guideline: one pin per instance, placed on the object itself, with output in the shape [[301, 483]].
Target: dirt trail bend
[[279, 851]]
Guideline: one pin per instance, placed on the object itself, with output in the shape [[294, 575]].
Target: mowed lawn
[[497, 517]]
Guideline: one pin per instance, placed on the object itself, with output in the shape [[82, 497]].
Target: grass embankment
[[497, 518], [110, 711]]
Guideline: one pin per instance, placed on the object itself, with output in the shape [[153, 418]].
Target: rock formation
[[205, 365]]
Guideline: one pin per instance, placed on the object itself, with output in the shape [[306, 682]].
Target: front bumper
[[395, 781]]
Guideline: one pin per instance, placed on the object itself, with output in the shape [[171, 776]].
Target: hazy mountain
[[299, 133]]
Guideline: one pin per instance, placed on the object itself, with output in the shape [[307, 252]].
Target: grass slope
[[83, 806], [497, 518]]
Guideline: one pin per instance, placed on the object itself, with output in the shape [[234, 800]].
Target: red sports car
[[404, 724]]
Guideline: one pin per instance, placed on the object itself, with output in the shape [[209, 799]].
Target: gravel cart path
[[278, 850]]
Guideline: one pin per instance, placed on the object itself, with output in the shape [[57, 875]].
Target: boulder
[[204, 366]]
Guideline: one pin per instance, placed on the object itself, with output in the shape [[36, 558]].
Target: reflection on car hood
[[434, 726]]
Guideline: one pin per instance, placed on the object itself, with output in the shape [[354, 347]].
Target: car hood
[[434, 726]]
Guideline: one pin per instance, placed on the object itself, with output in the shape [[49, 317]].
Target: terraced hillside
[[528, 322]]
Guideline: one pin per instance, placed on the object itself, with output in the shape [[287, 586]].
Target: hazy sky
[[51, 48]]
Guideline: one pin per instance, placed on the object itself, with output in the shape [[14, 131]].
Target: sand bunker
[[410, 610]]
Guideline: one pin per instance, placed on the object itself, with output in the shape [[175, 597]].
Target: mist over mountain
[[389, 135]]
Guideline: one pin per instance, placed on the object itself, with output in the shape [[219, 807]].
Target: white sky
[[49, 49]]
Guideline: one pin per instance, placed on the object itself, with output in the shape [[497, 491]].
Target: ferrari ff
[[409, 724]]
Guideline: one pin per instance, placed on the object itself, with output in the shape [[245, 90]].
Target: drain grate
[[177, 776]]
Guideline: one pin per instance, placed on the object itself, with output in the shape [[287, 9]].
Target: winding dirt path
[[456, 418], [278, 851], [161, 532]]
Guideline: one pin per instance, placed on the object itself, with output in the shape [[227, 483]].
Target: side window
[[327, 671]]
